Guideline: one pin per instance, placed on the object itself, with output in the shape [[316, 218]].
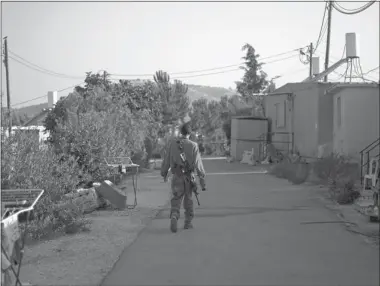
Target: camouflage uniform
[[180, 187]]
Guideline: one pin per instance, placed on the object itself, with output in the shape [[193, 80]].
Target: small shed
[[245, 133]]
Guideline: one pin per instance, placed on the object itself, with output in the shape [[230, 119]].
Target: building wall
[[270, 112], [359, 120], [302, 117], [306, 125], [325, 119]]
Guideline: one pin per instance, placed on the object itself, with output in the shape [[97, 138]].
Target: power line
[[369, 77], [19, 103], [205, 70], [42, 71], [346, 11], [70, 87], [225, 71], [372, 70], [274, 61], [41, 68], [33, 99], [323, 27]]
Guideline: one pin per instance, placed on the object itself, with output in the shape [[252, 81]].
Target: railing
[[267, 138], [366, 151]]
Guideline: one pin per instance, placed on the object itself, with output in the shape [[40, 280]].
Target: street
[[251, 229]]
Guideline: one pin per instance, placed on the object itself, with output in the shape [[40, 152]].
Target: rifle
[[187, 172]]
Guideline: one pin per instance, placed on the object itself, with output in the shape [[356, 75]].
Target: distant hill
[[209, 92], [194, 92], [31, 110]]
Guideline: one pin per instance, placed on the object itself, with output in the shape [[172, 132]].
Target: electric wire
[[366, 79], [50, 72], [351, 10], [221, 72], [359, 66], [73, 86], [323, 27], [342, 75], [225, 71], [358, 73], [41, 71], [372, 70], [33, 99], [346, 11], [34, 67], [204, 70]]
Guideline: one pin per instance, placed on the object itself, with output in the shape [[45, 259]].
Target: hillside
[[31, 110], [194, 92], [211, 93]]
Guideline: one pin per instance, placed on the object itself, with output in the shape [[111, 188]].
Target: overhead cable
[[342, 10]]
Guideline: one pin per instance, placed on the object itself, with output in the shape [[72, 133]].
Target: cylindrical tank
[[315, 64], [352, 50]]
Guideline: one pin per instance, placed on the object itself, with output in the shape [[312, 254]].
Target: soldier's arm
[[166, 161]]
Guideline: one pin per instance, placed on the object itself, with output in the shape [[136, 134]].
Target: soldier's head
[[186, 130]]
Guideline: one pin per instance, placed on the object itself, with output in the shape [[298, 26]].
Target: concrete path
[[251, 229]]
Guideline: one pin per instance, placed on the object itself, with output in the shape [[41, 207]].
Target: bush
[[335, 166], [295, 173], [25, 165], [340, 175], [209, 149], [100, 135], [201, 148]]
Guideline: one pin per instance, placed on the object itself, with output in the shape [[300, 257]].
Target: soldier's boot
[[173, 224], [188, 225]]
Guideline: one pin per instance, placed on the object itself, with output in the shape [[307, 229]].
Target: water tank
[[315, 65], [352, 50], [52, 98]]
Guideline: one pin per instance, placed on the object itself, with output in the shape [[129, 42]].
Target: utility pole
[[328, 38], [104, 78], [7, 82], [311, 61]]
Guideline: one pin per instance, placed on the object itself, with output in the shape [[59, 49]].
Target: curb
[[349, 226]]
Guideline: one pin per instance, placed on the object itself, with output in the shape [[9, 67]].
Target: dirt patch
[[85, 258]]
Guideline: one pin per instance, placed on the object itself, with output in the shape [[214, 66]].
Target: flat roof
[[249, 117], [340, 86]]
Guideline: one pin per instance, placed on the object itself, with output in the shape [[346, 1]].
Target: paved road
[[251, 229]]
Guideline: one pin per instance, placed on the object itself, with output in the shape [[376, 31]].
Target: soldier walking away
[[183, 159]]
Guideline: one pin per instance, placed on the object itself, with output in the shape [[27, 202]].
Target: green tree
[[198, 114], [175, 103], [254, 81]]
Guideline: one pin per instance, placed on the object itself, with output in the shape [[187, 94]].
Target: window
[[339, 112], [280, 114]]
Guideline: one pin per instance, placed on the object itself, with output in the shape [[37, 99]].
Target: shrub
[[100, 135], [25, 165], [208, 148], [340, 175], [201, 148], [295, 173]]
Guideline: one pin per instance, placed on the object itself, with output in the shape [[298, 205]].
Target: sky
[[130, 38]]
